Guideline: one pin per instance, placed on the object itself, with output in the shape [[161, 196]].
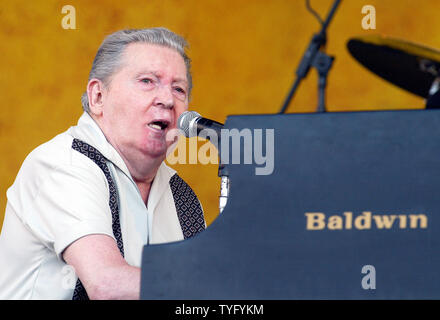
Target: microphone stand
[[223, 173], [315, 57], [224, 186]]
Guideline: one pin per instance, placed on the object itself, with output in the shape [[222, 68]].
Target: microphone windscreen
[[185, 120]]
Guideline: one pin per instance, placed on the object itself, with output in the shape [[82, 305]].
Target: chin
[[155, 150]]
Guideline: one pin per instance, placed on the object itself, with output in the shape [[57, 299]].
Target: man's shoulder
[[54, 166], [54, 150], [55, 156], [57, 152]]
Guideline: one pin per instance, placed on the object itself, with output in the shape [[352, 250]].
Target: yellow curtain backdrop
[[244, 56]]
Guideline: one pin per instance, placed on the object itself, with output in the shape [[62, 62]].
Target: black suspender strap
[[93, 154], [188, 207]]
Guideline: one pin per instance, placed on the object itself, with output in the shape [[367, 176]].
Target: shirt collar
[[88, 131]]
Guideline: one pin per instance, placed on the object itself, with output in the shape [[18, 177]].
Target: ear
[[95, 93]]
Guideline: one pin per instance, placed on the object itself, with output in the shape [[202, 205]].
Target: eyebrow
[[156, 74]]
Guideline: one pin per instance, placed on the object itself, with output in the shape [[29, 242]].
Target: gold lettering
[[384, 221], [402, 222], [348, 219], [335, 222], [413, 218], [315, 220], [363, 221]]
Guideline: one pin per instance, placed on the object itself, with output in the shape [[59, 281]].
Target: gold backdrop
[[244, 56]]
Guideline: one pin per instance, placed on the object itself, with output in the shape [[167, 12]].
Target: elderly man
[[93, 196]]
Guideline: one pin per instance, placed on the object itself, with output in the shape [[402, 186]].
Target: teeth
[[155, 126]]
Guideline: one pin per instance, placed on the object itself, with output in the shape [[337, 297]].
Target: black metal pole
[[318, 40]]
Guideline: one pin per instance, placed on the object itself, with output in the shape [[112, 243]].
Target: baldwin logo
[[364, 221]]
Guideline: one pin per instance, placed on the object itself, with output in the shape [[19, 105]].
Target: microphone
[[192, 123]]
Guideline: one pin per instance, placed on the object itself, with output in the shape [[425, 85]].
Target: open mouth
[[159, 125]]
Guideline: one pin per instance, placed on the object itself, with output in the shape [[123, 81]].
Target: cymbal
[[407, 65]]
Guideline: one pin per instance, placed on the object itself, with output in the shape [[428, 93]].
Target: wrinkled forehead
[[145, 57]]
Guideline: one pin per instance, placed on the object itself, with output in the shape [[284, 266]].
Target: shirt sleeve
[[72, 202]]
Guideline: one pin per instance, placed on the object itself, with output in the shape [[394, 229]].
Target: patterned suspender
[[93, 154], [189, 210]]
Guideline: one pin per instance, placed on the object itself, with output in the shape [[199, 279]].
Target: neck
[[143, 173], [144, 189]]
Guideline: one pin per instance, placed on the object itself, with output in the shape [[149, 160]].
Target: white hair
[[108, 57]]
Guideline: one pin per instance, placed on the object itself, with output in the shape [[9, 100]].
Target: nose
[[164, 97]]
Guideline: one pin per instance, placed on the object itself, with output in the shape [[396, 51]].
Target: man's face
[[144, 99]]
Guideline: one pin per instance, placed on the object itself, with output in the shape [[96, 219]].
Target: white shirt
[[59, 196]]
